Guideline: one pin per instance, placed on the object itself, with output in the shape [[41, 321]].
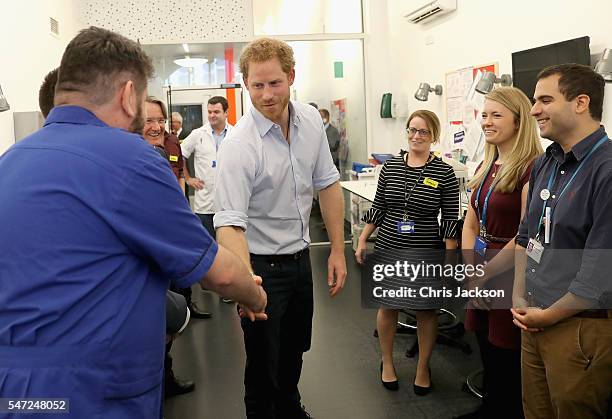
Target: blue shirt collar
[[73, 115], [579, 150], [263, 124]]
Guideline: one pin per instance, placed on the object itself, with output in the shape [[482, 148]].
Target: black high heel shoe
[[423, 391], [389, 385]]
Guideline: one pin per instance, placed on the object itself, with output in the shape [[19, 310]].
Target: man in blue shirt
[[268, 168], [85, 256], [562, 281]]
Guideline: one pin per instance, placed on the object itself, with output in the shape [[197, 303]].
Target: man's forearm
[[232, 279], [186, 171], [234, 239], [518, 290], [567, 306], [332, 209]]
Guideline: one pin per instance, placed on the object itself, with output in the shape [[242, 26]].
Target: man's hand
[[336, 272], [195, 183], [256, 313], [532, 319]]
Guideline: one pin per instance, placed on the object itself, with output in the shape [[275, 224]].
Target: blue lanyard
[[483, 218], [553, 177]]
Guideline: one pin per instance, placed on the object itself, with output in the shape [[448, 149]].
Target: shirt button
[[554, 196], [562, 172], [533, 270]]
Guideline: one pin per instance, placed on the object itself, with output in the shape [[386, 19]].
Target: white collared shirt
[[201, 142]]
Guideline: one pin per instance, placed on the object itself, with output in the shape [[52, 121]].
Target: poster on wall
[[462, 137], [338, 118]]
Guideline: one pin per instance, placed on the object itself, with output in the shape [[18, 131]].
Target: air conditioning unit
[[428, 10]]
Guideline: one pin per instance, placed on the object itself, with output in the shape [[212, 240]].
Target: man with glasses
[[155, 133]]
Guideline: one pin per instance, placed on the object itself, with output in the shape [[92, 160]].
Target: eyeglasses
[[422, 132], [151, 121]]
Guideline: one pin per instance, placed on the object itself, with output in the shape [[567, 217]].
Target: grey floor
[[341, 376]]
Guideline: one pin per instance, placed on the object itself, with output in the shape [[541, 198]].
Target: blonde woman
[[413, 189], [499, 191]]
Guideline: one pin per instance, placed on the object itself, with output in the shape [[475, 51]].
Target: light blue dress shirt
[[265, 185], [219, 137]]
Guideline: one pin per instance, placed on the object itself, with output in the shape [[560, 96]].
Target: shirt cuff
[[448, 229], [374, 216], [198, 272], [323, 183], [230, 218], [585, 291]]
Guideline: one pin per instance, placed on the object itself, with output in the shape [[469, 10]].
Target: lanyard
[[483, 217], [407, 195], [553, 177]]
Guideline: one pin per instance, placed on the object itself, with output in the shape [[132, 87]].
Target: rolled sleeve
[[234, 184], [325, 173], [450, 206], [230, 218]]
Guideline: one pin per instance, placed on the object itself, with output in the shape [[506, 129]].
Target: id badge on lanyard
[[480, 246], [405, 227]]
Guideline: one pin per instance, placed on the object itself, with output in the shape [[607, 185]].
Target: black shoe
[[175, 386], [196, 313], [389, 385], [423, 391]]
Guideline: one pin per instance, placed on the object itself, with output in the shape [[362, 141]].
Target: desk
[[363, 188]]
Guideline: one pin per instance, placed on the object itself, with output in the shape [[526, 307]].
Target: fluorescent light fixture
[[186, 48], [604, 66], [422, 92], [488, 80], [190, 61]]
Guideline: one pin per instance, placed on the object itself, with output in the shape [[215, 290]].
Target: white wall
[[315, 82], [29, 52], [477, 34]]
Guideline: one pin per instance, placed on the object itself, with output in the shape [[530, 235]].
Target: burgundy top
[[175, 156], [503, 219]]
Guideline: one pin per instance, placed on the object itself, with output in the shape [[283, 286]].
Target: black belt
[[283, 258], [595, 314]]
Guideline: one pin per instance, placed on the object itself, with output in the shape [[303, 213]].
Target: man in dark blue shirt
[[564, 258], [85, 255]]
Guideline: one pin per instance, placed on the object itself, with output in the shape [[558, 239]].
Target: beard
[[137, 125], [275, 114]]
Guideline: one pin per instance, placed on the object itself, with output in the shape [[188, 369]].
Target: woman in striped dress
[[413, 189]]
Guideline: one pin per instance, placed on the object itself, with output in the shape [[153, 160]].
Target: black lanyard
[[407, 194]]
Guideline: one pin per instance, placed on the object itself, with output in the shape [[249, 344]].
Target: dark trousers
[[274, 347], [207, 222], [502, 380]]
